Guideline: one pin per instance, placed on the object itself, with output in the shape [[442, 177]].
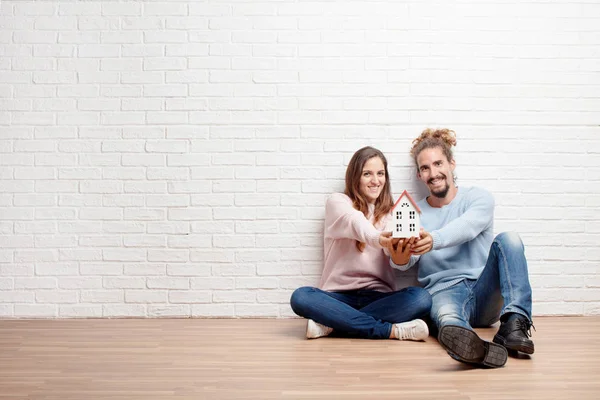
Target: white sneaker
[[315, 330], [412, 330]]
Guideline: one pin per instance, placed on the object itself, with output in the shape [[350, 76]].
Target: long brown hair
[[384, 202]]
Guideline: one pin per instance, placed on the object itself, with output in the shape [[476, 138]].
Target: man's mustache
[[441, 176]]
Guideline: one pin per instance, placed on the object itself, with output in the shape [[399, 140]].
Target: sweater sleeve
[[342, 221], [413, 260], [478, 216]]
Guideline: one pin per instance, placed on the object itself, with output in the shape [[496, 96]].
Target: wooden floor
[[270, 359]]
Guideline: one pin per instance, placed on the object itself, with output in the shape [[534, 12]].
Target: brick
[[144, 241], [102, 296], [145, 269], [145, 296], [188, 269], [56, 296], [213, 283], [189, 296], [13, 296], [92, 282], [100, 268], [168, 255], [256, 283], [130, 310], [99, 241], [35, 283], [124, 254], [181, 310], [80, 311], [212, 310], [254, 310], [36, 310], [237, 296], [121, 200], [168, 283]]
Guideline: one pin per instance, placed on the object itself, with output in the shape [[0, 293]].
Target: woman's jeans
[[503, 287], [361, 313]]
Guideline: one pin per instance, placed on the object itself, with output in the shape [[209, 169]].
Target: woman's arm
[[342, 221]]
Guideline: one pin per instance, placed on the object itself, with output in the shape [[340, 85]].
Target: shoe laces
[[525, 326], [406, 332]]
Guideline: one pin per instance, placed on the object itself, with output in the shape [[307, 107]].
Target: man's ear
[[452, 165]]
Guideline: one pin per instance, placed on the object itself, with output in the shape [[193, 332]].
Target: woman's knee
[[301, 298], [422, 299]]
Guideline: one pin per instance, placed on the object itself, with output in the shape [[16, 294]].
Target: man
[[474, 278]]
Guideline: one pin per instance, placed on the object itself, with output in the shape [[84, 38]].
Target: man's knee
[[509, 240], [448, 314]]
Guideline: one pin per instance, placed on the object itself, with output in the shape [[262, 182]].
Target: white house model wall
[[406, 217]]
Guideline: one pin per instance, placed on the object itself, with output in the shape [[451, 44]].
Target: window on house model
[[412, 227], [411, 215], [398, 227], [399, 214]]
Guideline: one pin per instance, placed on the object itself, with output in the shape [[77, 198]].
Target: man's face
[[435, 171]]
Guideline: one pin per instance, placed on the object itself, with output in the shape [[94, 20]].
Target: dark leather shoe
[[514, 334], [464, 345]]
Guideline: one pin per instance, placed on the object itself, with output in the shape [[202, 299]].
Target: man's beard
[[442, 192]]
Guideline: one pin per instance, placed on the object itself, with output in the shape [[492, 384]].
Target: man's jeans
[[502, 287], [361, 313]]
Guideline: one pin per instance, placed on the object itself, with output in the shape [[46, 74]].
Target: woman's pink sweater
[[346, 268]]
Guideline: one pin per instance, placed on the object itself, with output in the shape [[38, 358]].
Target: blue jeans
[[503, 287], [361, 313]]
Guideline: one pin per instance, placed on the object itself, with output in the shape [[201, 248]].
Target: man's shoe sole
[[464, 345], [521, 345]]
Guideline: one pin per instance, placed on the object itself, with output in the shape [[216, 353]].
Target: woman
[[357, 294]]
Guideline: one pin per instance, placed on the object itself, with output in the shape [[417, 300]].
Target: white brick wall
[[171, 158]]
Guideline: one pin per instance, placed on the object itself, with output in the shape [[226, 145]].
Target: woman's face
[[372, 179]]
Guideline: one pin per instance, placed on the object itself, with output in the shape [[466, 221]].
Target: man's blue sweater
[[462, 233]]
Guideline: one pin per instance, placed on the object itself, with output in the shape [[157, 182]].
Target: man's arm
[[478, 217]]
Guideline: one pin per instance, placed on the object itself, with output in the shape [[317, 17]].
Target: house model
[[406, 217]]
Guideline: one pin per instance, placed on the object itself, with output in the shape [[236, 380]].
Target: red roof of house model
[[414, 203]]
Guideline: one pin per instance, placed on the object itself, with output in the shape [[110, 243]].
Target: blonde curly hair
[[431, 138]]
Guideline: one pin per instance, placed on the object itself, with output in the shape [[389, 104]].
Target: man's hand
[[423, 245], [400, 252]]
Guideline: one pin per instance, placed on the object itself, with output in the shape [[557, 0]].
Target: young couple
[[470, 278]]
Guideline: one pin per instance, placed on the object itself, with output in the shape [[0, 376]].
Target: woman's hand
[[401, 251], [385, 239]]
